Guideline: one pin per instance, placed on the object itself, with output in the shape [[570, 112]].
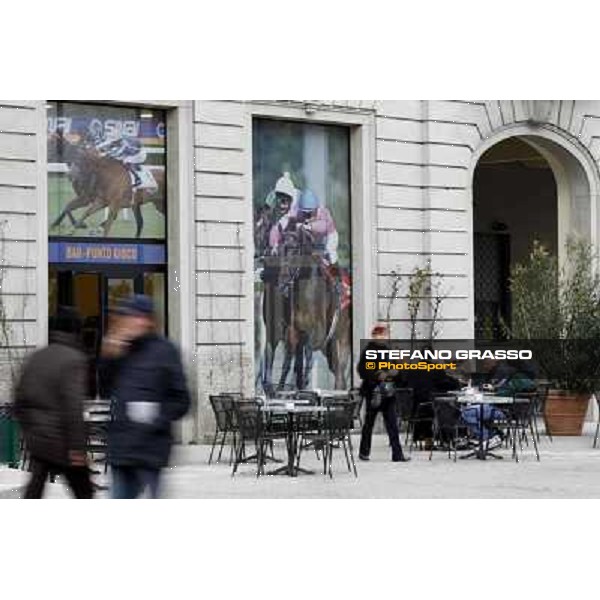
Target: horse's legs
[[338, 365], [304, 361], [159, 204], [75, 203], [259, 342], [139, 219], [308, 360], [90, 210], [299, 361], [267, 381], [287, 365], [112, 215]]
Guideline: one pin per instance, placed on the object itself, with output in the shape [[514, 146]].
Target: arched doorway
[[525, 187]]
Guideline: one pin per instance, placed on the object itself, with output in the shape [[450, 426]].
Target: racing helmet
[[285, 185], [308, 201]]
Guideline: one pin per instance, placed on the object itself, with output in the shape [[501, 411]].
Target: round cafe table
[[291, 410]]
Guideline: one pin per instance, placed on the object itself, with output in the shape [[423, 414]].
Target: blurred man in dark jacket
[[49, 400], [143, 374]]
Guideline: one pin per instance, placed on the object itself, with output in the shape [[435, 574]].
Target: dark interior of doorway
[[92, 292], [514, 203]]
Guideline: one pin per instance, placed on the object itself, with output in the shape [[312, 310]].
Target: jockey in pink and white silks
[[307, 212]]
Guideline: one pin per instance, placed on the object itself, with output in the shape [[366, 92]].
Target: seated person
[[425, 386], [510, 377], [506, 379], [471, 415], [517, 383]]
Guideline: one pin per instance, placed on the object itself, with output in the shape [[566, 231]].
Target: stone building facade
[[420, 185]]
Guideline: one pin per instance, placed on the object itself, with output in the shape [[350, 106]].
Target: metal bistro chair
[[221, 406], [355, 396], [312, 424], [228, 401], [422, 416], [405, 403], [310, 427], [309, 432], [503, 425], [520, 416], [336, 432], [540, 411], [339, 421], [276, 428], [251, 428], [248, 417], [448, 425]]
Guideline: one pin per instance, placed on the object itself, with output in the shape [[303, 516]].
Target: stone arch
[[577, 180]]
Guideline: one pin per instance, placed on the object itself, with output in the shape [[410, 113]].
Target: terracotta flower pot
[[565, 412]]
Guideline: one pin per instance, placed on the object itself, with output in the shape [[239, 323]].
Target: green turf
[[60, 192]]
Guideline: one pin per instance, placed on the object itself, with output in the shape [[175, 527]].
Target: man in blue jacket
[[143, 374]]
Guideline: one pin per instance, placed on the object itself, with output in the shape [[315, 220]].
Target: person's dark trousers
[[388, 408], [78, 479], [130, 482]]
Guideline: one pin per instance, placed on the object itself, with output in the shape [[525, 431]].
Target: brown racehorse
[[315, 319], [101, 182], [271, 306], [276, 317]]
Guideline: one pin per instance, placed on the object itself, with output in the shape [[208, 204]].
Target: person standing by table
[[371, 379], [49, 398], [143, 374]]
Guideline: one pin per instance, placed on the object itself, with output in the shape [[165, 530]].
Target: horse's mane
[[81, 151]]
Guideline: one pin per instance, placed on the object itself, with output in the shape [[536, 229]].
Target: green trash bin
[[9, 439]]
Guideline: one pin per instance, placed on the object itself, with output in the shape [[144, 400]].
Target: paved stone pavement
[[569, 468]]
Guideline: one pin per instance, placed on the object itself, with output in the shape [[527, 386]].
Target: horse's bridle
[[293, 248], [294, 273]]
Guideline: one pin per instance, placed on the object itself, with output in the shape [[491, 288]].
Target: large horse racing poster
[[106, 171], [302, 259]]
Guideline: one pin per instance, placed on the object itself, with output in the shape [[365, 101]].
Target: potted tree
[[556, 312]]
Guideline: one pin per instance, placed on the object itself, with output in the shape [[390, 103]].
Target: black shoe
[[401, 459], [363, 457]]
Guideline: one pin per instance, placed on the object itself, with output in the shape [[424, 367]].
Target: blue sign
[[106, 253], [114, 128]]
